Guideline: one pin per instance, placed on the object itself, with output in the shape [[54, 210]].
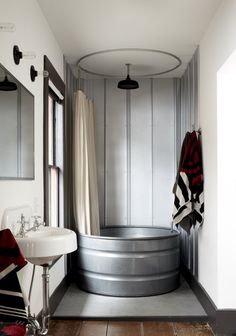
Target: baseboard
[[226, 322], [58, 293], [201, 294], [222, 321]]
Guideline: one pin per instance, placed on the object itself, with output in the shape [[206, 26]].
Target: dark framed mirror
[[16, 129]]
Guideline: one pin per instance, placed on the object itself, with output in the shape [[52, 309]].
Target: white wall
[[217, 251], [32, 33]]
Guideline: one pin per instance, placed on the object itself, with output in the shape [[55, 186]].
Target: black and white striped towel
[[12, 305]]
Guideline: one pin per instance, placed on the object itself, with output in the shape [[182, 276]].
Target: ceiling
[[82, 27]]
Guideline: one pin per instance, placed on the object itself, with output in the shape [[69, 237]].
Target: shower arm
[[128, 69]]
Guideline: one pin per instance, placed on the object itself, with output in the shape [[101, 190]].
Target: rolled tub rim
[[174, 233]]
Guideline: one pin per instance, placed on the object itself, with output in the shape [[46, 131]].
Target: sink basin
[[47, 244]]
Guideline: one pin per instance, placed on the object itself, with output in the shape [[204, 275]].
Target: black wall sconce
[[18, 55], [34, 73]]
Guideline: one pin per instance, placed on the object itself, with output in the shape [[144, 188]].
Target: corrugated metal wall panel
[[100, 114], [163, 150], [116, 155], [141, 155], [186, 90], [135, 133]]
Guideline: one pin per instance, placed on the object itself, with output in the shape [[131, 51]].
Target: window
[[53, 147], [55, 160]]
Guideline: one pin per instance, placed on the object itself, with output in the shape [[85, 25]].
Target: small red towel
[[9, 251], [12, 305], [13, 330], [192, 162]]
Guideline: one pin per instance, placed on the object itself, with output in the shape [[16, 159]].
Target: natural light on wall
[[226, 129]]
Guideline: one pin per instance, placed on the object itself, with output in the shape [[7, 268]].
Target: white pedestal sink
[[40, 247], [43, 246]]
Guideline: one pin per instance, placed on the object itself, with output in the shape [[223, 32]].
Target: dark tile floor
[[127, 328]]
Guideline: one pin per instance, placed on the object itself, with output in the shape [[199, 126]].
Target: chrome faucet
[[22, 230], [37, 223]]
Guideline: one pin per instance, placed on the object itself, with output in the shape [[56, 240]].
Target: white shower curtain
[[86, 208]]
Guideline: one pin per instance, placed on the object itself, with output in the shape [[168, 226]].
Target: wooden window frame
[[59, 84]]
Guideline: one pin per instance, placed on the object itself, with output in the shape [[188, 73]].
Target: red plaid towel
[[12, 305]]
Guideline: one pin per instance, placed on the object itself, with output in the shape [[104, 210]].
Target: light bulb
[[7, 27], [28, 54]]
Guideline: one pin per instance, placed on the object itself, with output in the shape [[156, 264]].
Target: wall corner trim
[[222, 321]]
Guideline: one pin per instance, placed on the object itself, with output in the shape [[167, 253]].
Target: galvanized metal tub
[[129, 261]]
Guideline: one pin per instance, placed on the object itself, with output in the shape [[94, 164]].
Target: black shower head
[[128, 83], [6, 85]]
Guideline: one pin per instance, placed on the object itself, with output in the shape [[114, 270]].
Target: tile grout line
[[79, 329], [174, 330], [107, 327], [141, 329]]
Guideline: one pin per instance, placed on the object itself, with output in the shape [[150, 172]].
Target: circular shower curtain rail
[[80, 67]]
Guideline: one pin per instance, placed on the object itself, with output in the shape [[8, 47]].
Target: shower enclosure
[[137, 253]]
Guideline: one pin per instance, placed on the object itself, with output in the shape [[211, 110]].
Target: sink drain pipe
[[34, 325]]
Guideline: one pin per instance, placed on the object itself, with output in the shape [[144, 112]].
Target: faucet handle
[[36, 217], [37, 221]]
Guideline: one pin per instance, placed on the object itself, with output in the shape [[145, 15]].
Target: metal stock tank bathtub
[[129, 261]]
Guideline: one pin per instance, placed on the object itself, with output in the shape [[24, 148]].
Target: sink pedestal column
[[45, 312], [34, 325]]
